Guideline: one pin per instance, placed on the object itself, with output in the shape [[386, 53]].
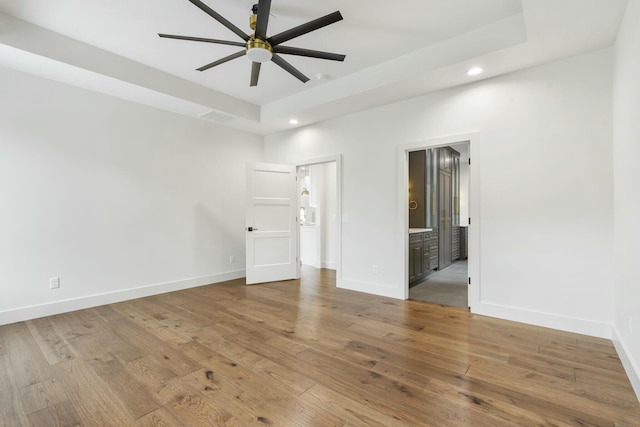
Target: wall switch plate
[[232, 259], [54, 283]]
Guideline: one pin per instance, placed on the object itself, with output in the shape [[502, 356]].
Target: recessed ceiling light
[[474, 71], [293, 122]]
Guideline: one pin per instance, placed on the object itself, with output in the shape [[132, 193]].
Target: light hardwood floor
[[302, 353]]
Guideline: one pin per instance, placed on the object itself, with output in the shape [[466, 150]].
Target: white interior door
[[271, 223]]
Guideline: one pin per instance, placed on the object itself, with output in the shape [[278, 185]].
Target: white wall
[[626, 155], [328, 215], [112, 197], [545, 172]]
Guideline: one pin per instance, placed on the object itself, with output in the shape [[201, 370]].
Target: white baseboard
[[371, 288], [57, 307], [547, 320], [331, 265], [630, 366]]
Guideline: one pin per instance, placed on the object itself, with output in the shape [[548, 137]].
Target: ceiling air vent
[[217, 117]]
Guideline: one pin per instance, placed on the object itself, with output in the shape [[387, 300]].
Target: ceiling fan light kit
[[258, 47], [259, 50]]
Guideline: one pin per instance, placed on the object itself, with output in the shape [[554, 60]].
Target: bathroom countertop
[[419, 230]]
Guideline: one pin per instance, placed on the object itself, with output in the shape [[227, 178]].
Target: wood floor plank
[[89, 336], [199, 404], [12, 411], [54, 347], [162, 417], [140, 316], [3, 347], [387, 395], [261, 360], [156, 377], [303, 353], [62, 414], [135, 335], [27, 364], [42, 395], [256, 392], [134, 396], [352, 412], [95, 403], [592, 402]]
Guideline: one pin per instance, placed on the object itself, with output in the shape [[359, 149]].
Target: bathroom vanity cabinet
[[423, 253]]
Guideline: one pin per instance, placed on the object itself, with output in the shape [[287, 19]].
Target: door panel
[[271, 221], [271, 251], [271, 217]]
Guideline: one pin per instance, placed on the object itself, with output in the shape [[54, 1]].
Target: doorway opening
[[319, 208], [438, 221]]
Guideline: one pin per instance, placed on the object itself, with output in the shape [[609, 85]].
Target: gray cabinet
[[431, 242], [417, 258], [448, 206], [464, 242], [423, 255], [455, 242]]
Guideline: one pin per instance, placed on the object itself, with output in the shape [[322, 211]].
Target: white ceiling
[[394, 50]]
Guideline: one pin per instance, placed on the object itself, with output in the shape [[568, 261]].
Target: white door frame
[[474, 205], [327, 159]]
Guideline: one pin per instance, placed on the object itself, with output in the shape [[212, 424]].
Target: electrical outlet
[[375, 269], [54, 283], [232, 259]]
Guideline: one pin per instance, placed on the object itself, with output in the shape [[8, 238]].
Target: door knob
[[252, 229]]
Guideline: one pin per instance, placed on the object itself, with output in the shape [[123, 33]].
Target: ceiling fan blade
[[277, 59], [255, 73], [223, 60], [304, 28], [215, 15], [309, 53], [264, 7], [201, 39]]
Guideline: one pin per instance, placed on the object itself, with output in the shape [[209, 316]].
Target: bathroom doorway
[[438, 218], [319, 212]]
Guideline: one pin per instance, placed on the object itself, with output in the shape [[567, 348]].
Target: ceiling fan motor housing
[[259, 50]]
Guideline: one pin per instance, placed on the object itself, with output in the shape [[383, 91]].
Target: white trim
[[474, 206], [373, 288], [57, 307], [331, 265], [626, 357], [546, 320], [328, 159]]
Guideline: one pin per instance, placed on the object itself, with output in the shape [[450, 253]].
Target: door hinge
[[469, 280], [469, 221], [469, 160]]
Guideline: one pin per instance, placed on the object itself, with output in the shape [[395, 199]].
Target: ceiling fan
[[260, 48]]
